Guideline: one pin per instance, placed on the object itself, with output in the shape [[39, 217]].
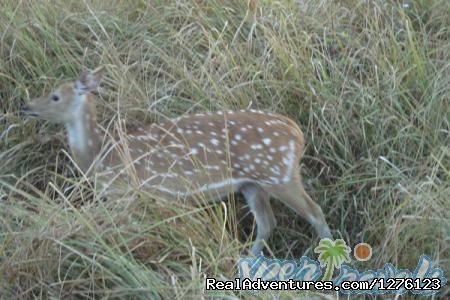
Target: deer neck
[[83, 134]]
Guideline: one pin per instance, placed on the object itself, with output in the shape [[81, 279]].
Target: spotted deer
[[207, 154]]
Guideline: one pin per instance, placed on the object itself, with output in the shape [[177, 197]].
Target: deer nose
[[26, 111]]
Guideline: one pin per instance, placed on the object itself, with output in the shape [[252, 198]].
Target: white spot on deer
[[257, 160], [234, 142], [260, 129], [199, 132], [283, 148], [269, 157], [272, 150], [241, 158], [267, 141], [232, 122], [252, 167], [275, 170], [213, 133], [214, 142], [256, 146], [274, 180], [238, 137], [243, 129], [210, 123], [194, 151], [179, 130], [188, 173], [236, 165], [276, 133]]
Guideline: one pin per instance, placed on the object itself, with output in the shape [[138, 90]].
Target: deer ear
[[88, 81]]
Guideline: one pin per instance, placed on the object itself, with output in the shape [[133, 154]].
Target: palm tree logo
[[332, 254]]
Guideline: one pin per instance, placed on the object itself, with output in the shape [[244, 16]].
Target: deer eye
[[54, 98]]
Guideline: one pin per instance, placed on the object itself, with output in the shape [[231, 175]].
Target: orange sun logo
[[362, 252]]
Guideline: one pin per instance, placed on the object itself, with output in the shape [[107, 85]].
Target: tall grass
[[368, 81]]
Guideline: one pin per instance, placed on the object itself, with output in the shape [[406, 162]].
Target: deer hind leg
[[295, 196], [259, 202]]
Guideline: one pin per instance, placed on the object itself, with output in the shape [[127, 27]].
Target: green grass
[[368, 81]]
